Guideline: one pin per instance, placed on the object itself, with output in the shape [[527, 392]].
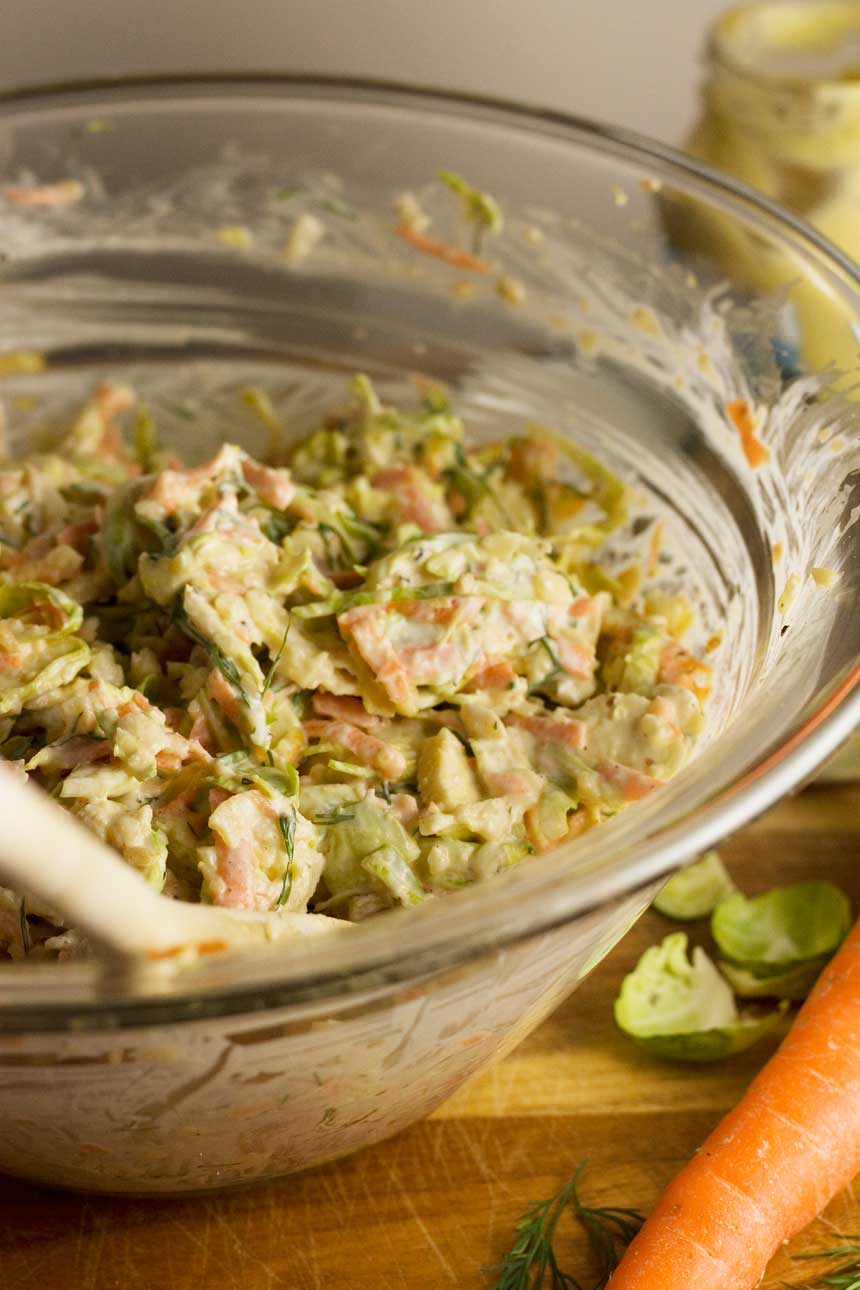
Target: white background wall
[[635, 62]]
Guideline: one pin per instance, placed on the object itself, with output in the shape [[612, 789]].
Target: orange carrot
[[773, 1163], [738, 412], [428, 245]]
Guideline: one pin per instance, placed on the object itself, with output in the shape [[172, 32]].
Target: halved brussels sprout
[[682, 1009], [696, 891], [794, 983], [783, 927]]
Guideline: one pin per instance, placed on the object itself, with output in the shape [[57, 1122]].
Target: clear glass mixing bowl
[[179, 268]]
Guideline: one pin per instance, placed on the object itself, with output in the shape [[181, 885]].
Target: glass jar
[[781, 111]]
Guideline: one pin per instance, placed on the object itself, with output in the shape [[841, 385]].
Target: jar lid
[[789, 71], [800, 42]]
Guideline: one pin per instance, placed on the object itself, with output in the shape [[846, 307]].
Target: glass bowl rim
[[48, 997]]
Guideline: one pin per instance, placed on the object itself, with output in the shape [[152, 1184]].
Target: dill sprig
[[270, 675], [531, 1254], [287, 826], [846, 1274], [219, 659], [609, 1229], [24, 925]]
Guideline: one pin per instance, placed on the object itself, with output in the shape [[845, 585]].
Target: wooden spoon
[[45, 851]]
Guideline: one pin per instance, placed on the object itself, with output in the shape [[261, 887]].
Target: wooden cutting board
[[434, 1206]]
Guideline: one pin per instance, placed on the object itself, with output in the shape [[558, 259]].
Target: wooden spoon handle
[[45, 851]]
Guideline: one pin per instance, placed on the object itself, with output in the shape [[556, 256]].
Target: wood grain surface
[[436, 1205]]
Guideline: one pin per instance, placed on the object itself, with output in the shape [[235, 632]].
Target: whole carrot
[[773, 1163]]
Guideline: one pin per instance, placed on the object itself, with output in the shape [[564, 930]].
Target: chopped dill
[[555, 664], [335, 816], [474, 486], [181, 410], [277, 527], [337, 207]]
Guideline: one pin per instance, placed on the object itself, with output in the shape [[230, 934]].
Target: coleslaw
[[383, 666]]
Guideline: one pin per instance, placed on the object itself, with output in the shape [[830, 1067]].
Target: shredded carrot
[[344, 707], [493, 675], [65, 192], [632, 784], [777, 552], [202, 947], [656, 541], [738, 412], [577, 822], [773, 1163], [678, 667], [446, 251]]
